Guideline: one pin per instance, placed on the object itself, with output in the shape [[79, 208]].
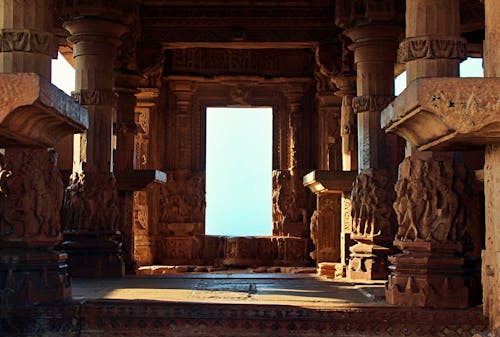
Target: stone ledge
[[330, 181], [34, 112], [446, 113], [135, 180]]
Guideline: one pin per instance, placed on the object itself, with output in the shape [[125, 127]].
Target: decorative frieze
[[95, 97], [429, 47], [219, 61], [91, 203], [31, 195], [182, 198], [430, 201], [28, 40], [372, 213], [371, 103]]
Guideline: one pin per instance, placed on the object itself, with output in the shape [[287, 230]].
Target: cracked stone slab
[[34, 112], [446, 113]]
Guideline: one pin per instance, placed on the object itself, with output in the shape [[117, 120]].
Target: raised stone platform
[[235, 305]]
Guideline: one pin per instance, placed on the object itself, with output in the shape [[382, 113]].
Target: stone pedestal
[[432, 274], [326, 232]]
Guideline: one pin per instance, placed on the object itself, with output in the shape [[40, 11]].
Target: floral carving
[[371, 199], [91, 202], [430, 48], [31, 195], [182, 199], [371, 103], [428, 204], [27, 40]]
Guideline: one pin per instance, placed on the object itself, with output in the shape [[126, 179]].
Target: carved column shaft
[[91, 203], [183, 91], [126, 87], [374, 55], [491, 254], [373, 222], [432, 47], [27, 42]]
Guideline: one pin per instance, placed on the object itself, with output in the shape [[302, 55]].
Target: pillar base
[[368, 262], [432, 274], [32, 276], [92, 255]]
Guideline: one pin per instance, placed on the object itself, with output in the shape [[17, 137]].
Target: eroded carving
[[182, 199], [91, 203], [95, 97], [371, 103], [371, 200], [28, 40], [141, 213], [290, 204], [31, 196], [428, 204], [430, 48]]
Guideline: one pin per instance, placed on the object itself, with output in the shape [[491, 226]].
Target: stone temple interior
[[391, 202]]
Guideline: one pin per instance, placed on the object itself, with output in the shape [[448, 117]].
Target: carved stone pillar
[[35, 115], [125, 157], [432, 201], [491, 254], [91, 203], [373, 223], [346, 82], [183, 92]]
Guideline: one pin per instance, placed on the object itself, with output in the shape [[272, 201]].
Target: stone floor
[[234, 287], [234, 304]]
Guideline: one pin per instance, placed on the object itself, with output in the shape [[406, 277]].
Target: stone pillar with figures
[[91, 207], [126, 82], [291, 201], [432, 203], [325, 220], [346, 82], [35, 115], [375, 31]]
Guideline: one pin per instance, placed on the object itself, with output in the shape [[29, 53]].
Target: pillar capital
[[351, 13], [114, 10]]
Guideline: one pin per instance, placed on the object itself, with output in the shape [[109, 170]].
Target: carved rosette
[[373, 218], [28, 40], [427, 47], [91, 203], [432, 199], [371, 103], [182, 199], [31, 195]]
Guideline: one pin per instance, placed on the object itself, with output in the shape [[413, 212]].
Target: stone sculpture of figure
[[314, 233], [427, 204]]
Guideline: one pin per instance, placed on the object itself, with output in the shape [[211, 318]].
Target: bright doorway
[[239, 171]]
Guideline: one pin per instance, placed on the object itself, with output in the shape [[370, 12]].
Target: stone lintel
[[330, 181], [446, 113], [34, 112], [135, 180]]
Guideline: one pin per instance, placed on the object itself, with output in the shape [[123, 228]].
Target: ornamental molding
[[95, 97], [428, 47], [371, 103], [28, 40]]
